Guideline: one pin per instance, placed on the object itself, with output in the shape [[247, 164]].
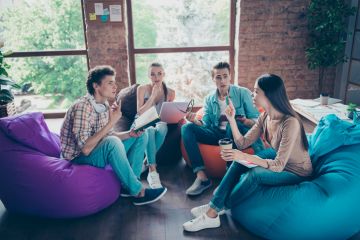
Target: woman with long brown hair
[[286, 162]]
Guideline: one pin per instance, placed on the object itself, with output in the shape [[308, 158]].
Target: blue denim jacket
[[242, 100]]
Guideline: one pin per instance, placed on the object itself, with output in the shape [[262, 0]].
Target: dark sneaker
[[198, 187], [151, 195], [125, 193]]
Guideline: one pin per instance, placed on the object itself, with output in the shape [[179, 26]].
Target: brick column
[[107, 41]]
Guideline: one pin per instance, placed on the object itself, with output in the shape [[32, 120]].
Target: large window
[[49, 59], [188, 37]]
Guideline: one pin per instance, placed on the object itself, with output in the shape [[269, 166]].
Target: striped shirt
[[81, 122]]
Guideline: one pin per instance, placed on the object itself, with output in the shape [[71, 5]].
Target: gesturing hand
[[230, 111], [114, 113]]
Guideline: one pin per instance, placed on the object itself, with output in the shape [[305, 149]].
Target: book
[[149, 118]]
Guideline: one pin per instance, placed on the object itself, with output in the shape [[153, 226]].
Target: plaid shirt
[[81, 122]]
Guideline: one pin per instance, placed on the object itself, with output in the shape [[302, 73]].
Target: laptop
[[173, 112]]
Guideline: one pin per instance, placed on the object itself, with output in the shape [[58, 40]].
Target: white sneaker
[[200, 210], [201, 222], [153, 179]]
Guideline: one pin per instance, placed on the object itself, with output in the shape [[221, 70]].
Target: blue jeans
[[193, 134], [240, 182], [125, 158], [156, 136]]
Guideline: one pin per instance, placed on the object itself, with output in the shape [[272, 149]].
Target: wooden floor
[[123, 220]]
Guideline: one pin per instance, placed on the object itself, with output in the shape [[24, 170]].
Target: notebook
[[149, 118]]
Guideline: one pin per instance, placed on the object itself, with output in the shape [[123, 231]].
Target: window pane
[[174, 23], [355, 72], [34, 25], [49, 82], [358, 19], [356, 47], [353, 94], [187, 73]]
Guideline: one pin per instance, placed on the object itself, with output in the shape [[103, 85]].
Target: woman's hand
[[233, 154], [230, 111], [156, 93]]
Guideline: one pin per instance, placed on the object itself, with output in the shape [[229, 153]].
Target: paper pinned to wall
[[99, 9], [106, 11], [92, 16], [115, 13]]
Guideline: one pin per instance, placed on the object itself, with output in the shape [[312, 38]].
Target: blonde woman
[[154, 94]]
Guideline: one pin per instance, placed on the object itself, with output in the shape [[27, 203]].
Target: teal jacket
[[330, 134], [242, 100]]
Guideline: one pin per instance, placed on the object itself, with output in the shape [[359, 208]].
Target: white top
[[222, 104]]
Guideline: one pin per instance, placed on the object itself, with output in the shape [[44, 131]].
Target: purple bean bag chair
[[34, 180]]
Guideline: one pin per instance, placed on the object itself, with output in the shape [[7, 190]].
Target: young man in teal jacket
[[214, 125]]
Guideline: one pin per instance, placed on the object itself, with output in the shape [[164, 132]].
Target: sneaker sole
[[125, 195], [198, 192], [199, 229], [154, 200]]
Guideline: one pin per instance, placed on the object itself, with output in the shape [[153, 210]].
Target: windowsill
[[56, 113]]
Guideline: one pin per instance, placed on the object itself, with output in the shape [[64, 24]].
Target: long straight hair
[[274, 89], [155, 64]]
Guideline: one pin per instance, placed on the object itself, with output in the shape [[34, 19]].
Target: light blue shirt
[[243, 104]]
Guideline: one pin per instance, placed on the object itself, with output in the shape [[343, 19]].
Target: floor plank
[[123, 220]]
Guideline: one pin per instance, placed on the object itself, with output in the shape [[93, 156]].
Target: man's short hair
[[220, 65], [96, 75]]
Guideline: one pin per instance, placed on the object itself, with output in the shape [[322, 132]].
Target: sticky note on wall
[[92, 16]]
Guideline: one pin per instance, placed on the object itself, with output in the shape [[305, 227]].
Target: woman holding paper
[[149, 95], [286, 162]]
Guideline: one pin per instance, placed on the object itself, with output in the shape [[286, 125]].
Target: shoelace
[[202, 208], [199, 219]]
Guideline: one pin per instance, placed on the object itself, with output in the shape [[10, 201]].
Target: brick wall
[[107, 42], [272, 38]]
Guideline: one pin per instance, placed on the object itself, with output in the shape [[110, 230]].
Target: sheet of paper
[[305, 102], [247, 164], [115, 13], [92, 16], [330, 101], [99, 9]]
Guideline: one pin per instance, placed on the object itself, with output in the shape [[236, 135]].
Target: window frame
[[133, 51], [53, 53]]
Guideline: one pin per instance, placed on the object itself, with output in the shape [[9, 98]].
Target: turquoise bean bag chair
[[325, 207]]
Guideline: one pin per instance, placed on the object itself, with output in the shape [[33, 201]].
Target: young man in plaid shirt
[[87, 137]]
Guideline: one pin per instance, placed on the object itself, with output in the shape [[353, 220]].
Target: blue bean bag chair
[[325, 207], [35, 180]]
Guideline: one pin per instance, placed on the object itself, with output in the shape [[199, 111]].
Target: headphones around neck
[[99, 107]]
